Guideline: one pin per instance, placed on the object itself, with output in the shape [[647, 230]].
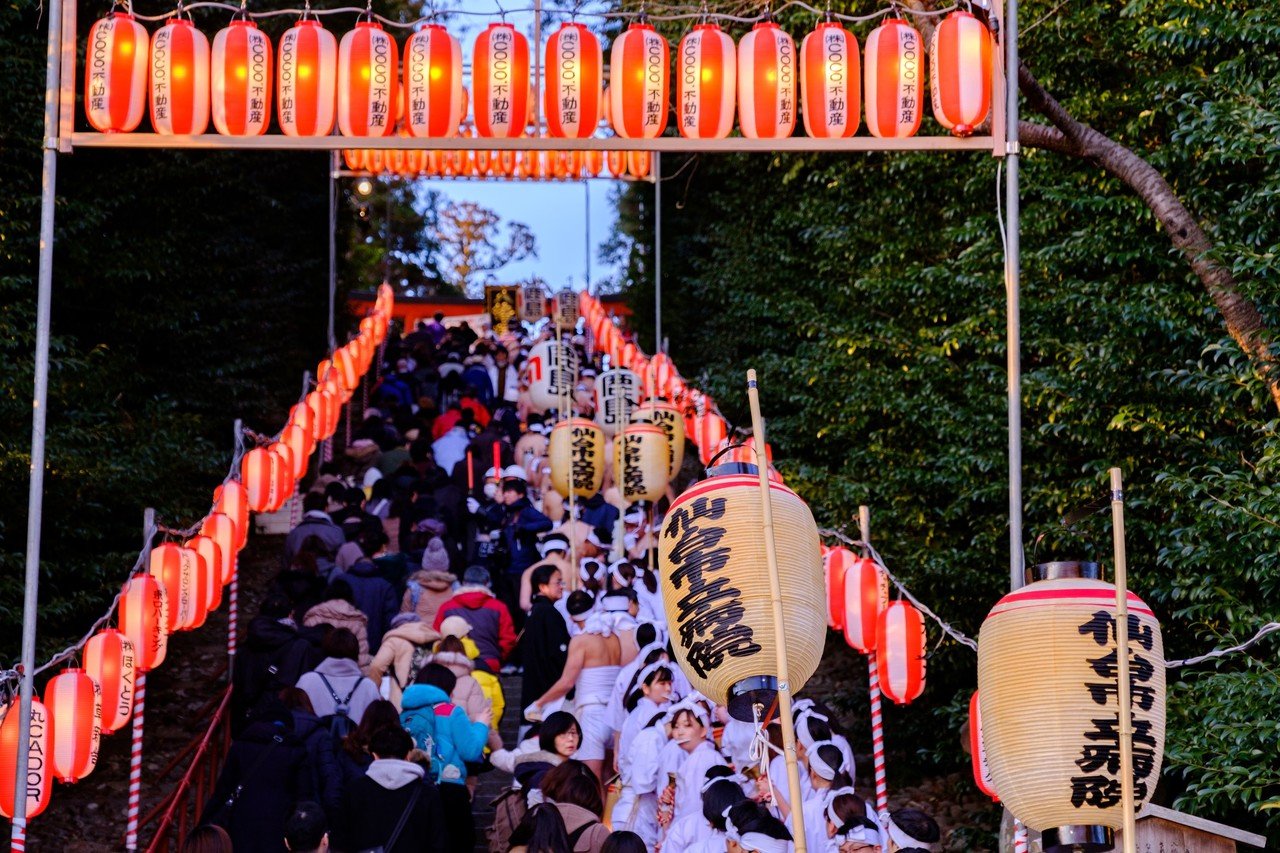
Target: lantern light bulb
[[436, 72], [126, 47], [365, 73], [304, 71], [706, 75], [179, 72], [242, 73], [771, 75]]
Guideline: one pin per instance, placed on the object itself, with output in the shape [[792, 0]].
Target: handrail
[[201, 775]]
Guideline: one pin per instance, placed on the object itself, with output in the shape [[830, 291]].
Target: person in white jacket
[[637, 806], [688, 756]]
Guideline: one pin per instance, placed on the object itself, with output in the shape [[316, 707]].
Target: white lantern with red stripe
[[978, 751], [367, 81], [571, 92], [866, 594], [435, 101], [900, 650], [639, 88], [960, 73], [500, 78], [74, 702], [179, 97], [767, 82], [706, 83], [115, 73], [893, 76], [307, 79], [109, 660], [240, 80], [830, 82], [835, 564]]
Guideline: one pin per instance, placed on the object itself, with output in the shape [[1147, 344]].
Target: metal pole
[[39, 406], [333, 243], [140, 710], [657, 253], [537, 67], [1122, 662], [779, 618], [874, 695], [1012, 276], [586, 188]]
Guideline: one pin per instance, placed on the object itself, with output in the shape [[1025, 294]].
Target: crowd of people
[[432, 558]]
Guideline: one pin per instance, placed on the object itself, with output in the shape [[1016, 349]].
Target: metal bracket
[[51, 143], [1012, 148]]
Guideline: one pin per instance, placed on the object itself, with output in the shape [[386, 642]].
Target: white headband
[[734, 778], [586, 574], [614, 603], [615, 572], [802, 728], [758, 842], [816, 764], [597, 623], [546, 546], [691, 704], [830, 808], [899, 836]]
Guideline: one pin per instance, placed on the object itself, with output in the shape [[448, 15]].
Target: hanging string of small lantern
[[501, 165], [172, 587], [360, 85]]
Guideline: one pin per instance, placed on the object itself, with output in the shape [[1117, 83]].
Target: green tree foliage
[[868, 292]]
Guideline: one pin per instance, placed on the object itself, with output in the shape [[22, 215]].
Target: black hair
[[390, 742], [852, 811], [276, 605], [305, 828], [747, 814], [917, 824], [339, 589], [719, 796], [555, 725], [623, 841], [313, 501], [541, 576], [341, 643], [646, 634], [574, 782], [632, 699], [818, 729], [437, 675], [580, 602], [515, 484], [831, 754], [542, 830]]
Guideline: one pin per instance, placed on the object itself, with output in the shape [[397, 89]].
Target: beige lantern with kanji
[[576, 451]]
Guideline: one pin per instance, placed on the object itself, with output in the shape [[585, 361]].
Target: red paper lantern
[[500, 78], [297, 440], [900, 648], [617, 161], [303, 416], [344, 360], [175, 570], [367, 81], [39, 775], [179, 79], [110, 661], [836, 562], [323, 404], [200, 571], [960, 73], [74, 704], [706, 83], [240, 78], [571, 92], [639, 163], [352, 157], [766, 82], [712, 430], [232, 499], [506, 162], [282, 475], [221, 528], [830, 82], [144, 619], [866, 594], [209, 554], [259, 478], [307, 76], [978, 751], [115, 73], [433, 83], [639, 88], [894, 72]]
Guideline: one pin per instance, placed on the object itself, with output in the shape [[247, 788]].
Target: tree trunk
[[1068, 136]]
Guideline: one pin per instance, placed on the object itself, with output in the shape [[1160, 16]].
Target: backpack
[[415, 593], [509, 808], [427, 742], [340, 722], [421, 657]]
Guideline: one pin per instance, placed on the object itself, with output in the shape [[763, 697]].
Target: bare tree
[[472, 243]]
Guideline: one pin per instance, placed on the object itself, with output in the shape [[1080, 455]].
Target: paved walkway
[[495, 781]]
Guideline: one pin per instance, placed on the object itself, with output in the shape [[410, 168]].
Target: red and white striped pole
[[135, 762], [1019, 837], [18, 840], [873, 691], [233, 595]]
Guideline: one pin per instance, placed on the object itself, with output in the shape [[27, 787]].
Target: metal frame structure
[[60, 136]]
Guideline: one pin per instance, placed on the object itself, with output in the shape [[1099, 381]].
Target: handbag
[[404, 818]]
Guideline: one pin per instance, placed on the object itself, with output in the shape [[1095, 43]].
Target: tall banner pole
[[657, 254], [873, 691], [140, 711], [1122, 662], [779, 619], [1012, 277], [334, 163], [39, 408]]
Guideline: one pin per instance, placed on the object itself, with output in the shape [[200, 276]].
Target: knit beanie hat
[[435, 558]]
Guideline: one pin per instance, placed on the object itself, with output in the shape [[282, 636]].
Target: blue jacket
[[443, 730], [520, 524], [375, 596]]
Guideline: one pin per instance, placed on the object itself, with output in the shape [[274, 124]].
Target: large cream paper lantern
[[576, 452], [1047, 690], [617, 397], [564, 309], [715, 586], [552, 369], [640, 461], [669, 417], [533, 303]]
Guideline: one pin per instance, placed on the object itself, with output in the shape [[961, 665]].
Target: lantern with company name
[[640, 461], [706, 83], [232, 499], [960, 73], [893, 76], [552, 369], [109, 660], [500, 80], [179, 98], [638, 91], [835, 564], [176, 569], [222, 530], [39, 778], [574, 64], [978, 751], [367, 80], [307, 79], [715, 586], [866, 595], [766, 82], [667, 416], [564, 309], [617, 397], [533, 303], [576, 452], [435, 100], [900, 649], [115, 73], [1047, 687], [74, 703], [144, 619], [240, 80], [257, 472], [830, 82]]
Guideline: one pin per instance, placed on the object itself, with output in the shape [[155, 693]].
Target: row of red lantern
[[358, 83], [183, 584], [517, 165]]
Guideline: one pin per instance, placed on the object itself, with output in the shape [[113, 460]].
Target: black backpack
[[340, 722]]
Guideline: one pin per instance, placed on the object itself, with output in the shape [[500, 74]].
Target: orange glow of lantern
[[282, 474], [74, 703], [115, 74], [978, 751], [500, 78], [766, 82], [435, 101], [144, 619], [222, 530], [179, 97], [835, 564], [39, 775], [258, 479], [639, 95], [232, 499], [110, 661], [830, 82], [866, 595], [893, 76], [307, 78], [706, 83], [209, 554], [900, 649], [367, 80], [240, 80], [571, 90], [960, 73]]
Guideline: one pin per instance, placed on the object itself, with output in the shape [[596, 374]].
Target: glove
[[473, 506], [533, 713]]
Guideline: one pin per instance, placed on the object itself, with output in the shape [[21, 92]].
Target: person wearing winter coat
[[573, 788], [373, 593], [443, 731], [339, 610], [433, 582], [544, 643], [267, 770], [467, 692], [274, 654], [393, 793], [315, 522], [321, 750], [337, 680], [404, 650], [490, 620]]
